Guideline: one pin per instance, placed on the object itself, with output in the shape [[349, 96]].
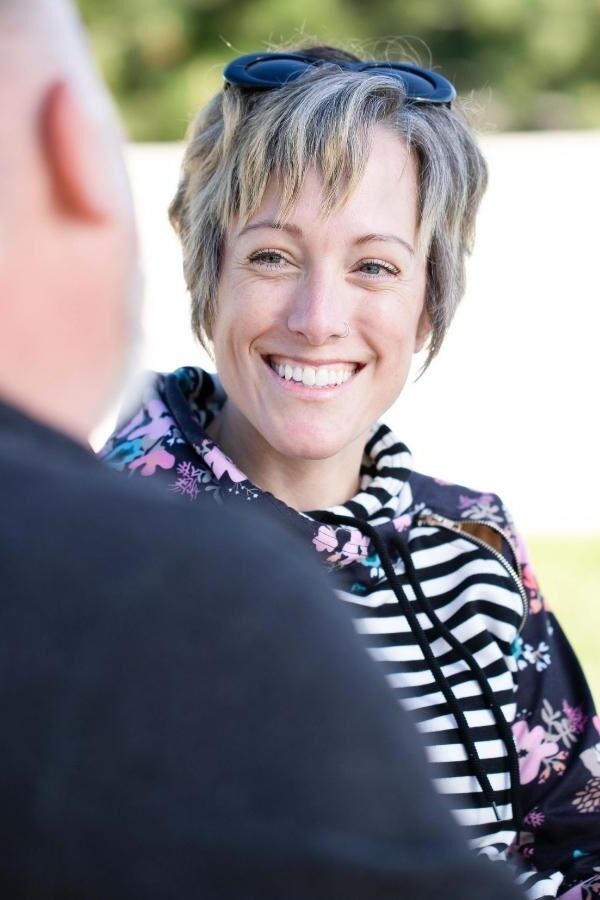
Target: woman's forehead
[[385, 194]]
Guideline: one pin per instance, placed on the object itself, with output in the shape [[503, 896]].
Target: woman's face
[[286, 294]]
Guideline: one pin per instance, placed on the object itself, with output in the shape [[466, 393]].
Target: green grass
[[568, 570]]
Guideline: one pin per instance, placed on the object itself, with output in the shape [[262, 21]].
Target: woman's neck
[[303, 484]]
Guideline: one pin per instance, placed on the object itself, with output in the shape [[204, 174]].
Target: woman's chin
[[313, 446]]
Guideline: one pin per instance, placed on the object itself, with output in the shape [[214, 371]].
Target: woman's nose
[[317, 313]]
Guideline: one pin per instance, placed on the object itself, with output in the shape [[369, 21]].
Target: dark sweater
[[176, 728]]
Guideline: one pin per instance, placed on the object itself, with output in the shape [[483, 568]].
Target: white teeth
[[311, 376]]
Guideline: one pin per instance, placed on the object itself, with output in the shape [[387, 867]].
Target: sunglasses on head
[[266, 71]]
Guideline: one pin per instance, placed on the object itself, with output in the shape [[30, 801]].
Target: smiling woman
[[325, 210]]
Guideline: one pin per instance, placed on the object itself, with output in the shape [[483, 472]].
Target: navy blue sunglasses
[[266, 71]]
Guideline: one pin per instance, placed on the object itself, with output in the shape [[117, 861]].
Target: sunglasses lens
[[420, 84], [275, 71]]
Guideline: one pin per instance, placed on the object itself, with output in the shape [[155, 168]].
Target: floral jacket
[[446, 600]]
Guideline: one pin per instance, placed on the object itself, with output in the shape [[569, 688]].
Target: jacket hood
[[193, 398]]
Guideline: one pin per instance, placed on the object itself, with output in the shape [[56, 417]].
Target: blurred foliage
[[528, 64], [568, 569]]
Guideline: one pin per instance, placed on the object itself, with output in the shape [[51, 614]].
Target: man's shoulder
[[78, 532], [73, 521]]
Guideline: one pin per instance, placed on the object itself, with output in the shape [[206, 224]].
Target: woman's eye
[[268, 258], [376, 267]]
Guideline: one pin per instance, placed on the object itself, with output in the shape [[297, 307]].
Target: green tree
[[528, 64]]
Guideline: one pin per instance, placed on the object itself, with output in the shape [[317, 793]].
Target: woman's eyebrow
[[297, 232], [366, 238], [277, 226]]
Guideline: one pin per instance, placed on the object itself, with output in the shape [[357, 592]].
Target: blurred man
[[166, 733]]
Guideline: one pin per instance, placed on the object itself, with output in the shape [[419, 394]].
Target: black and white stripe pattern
[[385, 490], [474, 596], [475, 600]]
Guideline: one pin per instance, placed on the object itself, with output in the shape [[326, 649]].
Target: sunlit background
[[511, 405], [531, 64]]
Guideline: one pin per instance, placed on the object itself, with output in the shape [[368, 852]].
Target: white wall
[[511, 404]]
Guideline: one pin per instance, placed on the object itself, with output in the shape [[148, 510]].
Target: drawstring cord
[[499, 718], [436, 669]]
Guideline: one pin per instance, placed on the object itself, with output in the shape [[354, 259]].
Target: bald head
[[43, 30], [30, 21], [67, 245], [41, 40]]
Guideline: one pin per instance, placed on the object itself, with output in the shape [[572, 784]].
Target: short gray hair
[[326, 117]]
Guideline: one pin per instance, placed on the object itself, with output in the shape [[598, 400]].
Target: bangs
[[321, 121]]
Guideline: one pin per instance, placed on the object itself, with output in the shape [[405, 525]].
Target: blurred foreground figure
[[171, 728]]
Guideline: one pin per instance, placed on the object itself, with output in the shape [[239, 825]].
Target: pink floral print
[[534, 818], [355, 548], [149, 463], [159, 425], [534, 749], [221, 464], [325, 540], [402, 523]]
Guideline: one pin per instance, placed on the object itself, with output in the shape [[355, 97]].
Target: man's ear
[[72, 146], [423, 330]]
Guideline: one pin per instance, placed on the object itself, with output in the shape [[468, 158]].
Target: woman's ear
[[74, 148], [423, 330]]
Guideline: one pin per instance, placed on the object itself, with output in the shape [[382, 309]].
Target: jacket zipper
[[454, 526]]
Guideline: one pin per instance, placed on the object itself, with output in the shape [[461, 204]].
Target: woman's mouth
[[325, 375]]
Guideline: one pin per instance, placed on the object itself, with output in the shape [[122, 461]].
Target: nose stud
[[346, 332]]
